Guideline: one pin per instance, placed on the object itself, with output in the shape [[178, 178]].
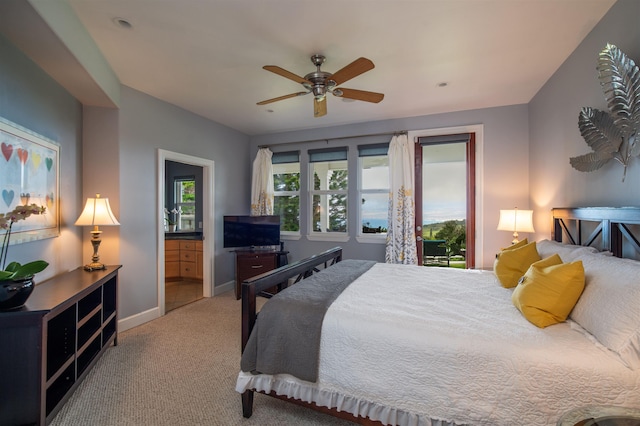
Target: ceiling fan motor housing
[[319, 83]]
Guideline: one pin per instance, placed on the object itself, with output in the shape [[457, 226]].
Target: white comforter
[[420, 346]]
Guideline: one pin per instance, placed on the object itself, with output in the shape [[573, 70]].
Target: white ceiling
[[206, 56]]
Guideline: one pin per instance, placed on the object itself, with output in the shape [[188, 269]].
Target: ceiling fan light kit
[[319, 83]]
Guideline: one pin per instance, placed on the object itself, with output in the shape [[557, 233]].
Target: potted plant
[[16, 280], [172, 218], [171, 224]]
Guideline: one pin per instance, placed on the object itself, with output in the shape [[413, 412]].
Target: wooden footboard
[[252, 287]]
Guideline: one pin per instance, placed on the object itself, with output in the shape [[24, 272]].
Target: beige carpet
[[178, 370]]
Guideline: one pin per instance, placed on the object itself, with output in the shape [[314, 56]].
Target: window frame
[[327, 155], [364, 151], [289, 157], [177, 195]]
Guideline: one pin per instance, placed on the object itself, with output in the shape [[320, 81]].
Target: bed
[[409, 345]]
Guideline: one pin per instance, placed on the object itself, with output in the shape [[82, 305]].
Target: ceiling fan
[[321, 82]]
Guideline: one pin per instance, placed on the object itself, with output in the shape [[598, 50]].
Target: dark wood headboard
[[606, 228]]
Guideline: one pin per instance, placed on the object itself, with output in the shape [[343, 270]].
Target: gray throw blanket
[[286, 336]]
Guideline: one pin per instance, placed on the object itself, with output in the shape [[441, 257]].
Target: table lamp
[[97, 212], [516, 221]]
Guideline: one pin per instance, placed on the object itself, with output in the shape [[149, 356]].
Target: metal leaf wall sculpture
[[612, 134]]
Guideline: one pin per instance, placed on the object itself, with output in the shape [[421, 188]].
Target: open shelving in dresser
[[53, 341]]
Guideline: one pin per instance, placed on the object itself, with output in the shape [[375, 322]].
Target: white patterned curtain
[[262, 184], [401, 238]]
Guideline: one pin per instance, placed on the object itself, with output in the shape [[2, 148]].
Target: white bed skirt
[[289, 386]]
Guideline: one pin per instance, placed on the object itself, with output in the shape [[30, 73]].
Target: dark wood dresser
[[250, 263], [49, 345]]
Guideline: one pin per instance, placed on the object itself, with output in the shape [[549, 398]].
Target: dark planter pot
[[14, 293]]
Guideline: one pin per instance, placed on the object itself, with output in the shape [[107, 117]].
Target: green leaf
[[12, 267], [16, 271]]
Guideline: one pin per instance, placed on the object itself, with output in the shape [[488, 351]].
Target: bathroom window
[[185, 202]]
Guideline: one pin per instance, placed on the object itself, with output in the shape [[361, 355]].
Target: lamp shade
[[97, 212], [516, 220]]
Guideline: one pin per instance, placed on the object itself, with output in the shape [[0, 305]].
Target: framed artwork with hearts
[[29, 173]]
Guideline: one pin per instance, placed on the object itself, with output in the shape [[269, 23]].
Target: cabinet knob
[[256, 266]]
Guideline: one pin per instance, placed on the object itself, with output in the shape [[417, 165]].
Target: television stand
[[250, 263]]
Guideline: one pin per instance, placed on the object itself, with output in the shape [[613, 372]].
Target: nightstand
[[250, 263]]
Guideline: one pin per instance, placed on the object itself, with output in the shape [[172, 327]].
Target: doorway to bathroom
[[185, 229]]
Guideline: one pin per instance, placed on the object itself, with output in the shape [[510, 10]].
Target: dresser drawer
[[187, 245], [187, 256], [188, 269], [251, 266]]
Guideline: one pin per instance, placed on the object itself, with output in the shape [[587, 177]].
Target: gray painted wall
[[554, 134], [31, 99], [146, 125]]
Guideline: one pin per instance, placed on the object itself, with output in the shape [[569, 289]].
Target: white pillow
[[609, 307], [568, 252]]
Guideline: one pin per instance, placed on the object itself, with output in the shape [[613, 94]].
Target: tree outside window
[[286, 187]]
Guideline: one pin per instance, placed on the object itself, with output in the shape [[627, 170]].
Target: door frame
[[477, 129], [208, 220]]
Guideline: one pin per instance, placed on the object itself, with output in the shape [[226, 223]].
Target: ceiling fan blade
[[279, 98], [354, 69], [286, 74], [360, 95], [319, 107]]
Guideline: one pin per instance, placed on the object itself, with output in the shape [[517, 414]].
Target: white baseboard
[[153, 313], [228, 286], [138, 319]]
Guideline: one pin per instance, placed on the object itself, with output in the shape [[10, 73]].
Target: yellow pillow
[[511, 263], [554, 259], [549, 290], [517, 245]]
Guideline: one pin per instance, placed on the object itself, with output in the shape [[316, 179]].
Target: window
[[373, 164], [329, 178], [185, 202], [286, 187]]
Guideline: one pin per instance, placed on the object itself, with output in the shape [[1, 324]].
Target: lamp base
[[94, 266]]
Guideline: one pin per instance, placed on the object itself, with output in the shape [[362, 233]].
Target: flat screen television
[[251, 231]]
